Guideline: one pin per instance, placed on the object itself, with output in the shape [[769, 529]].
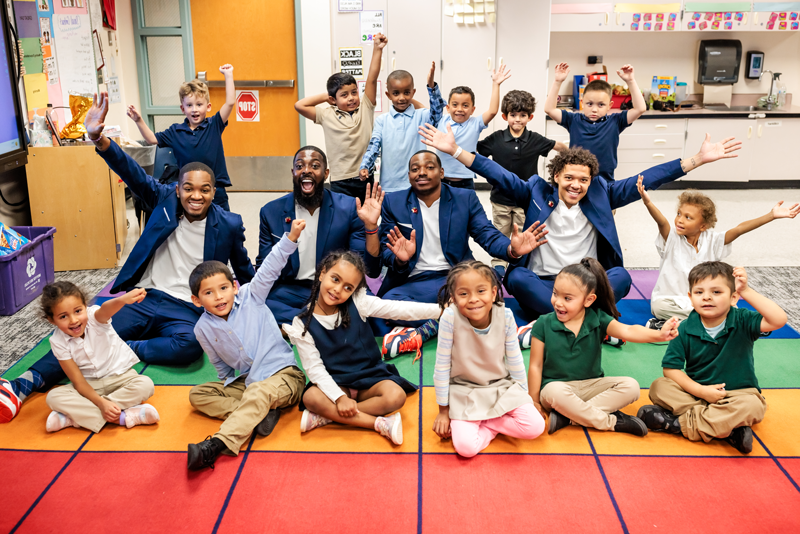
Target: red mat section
[[25, 477], [133, 492], [704, 495], [515, 493], [792, 466], [306, 492]]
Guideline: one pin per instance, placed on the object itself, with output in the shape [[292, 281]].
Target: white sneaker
[[58, 421], [524, 335], [310, 421], [141, 414], [391, 427]]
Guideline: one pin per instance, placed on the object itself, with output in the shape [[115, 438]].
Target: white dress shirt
[[431, 256], [572, 237], [307, 243], [175, 260]]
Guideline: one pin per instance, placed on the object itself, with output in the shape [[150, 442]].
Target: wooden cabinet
[[774, 140], [72, 189]]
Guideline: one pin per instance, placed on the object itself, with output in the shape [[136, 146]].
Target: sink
[[723, 107]]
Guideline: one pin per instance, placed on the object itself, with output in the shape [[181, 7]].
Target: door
[[728, 170], [774, 140], [258, 39]]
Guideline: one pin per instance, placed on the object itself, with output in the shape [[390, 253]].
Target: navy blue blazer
[[460, 216], [339, 228], [540, 198], [224, 239]]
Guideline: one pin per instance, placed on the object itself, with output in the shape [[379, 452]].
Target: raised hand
[[501, 74], [402, 248], [526, 242], [370, 211], [380, 41], [740, 277], [626, 73], [444, 142], [642, 191], [134, 114], [298, 225], [431, 82], [562, 70], [226, 69], [134, 296], [779, 212], [724, 149], [670, 329], [96, 116]]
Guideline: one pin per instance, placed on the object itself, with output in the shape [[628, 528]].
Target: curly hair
[[573, 156], [325, 265], [518, 102], [447, 290], [54, 293], [707, 207]]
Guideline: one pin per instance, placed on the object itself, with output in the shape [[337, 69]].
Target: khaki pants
[[243, 407], [125, 390], [591, 402], [503, 218], [701, 420], [666, 307]]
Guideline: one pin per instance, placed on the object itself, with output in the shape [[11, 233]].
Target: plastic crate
[[24, 273]]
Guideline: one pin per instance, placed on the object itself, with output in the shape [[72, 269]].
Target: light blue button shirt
[[396, 136], [467, 134], [250, 341]]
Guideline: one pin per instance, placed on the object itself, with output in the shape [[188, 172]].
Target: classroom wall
[[674, 54], [126, 70], [317, 58]]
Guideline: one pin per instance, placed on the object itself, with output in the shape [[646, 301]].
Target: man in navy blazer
[[425, 231], [332, 223], [531, 279], [184, 230]]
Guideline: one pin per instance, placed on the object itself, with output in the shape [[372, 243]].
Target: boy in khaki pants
[[256, 366], [718, 395]]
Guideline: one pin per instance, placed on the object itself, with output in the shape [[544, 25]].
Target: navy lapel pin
[[414, 210], [289, 219], [550, 203]]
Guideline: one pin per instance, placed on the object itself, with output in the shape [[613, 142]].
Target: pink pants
[[471, 437]]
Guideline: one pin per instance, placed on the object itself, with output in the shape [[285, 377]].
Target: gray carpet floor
[[24, 330]]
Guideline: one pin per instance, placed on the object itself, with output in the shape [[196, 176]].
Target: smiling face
[[195, 191], [689, 221], [474, 295], [347, 98], [400, 92], [337, 284], [70, 316], [308, 175], [517, 121], [712, 299], [569, 298], [195, 108], [573, 182], [596, 104], [216, 295], [425, 174], [461, 107]]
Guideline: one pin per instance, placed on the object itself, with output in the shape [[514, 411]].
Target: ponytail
[[593, 277]]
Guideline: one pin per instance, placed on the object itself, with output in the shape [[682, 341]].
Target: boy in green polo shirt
[[718, 394]]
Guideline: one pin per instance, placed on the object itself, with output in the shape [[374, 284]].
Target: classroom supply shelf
[[72, 189]]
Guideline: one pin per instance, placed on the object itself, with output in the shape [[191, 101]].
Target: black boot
[[557, 422], [742, 439], [267, 425], [629, 424], [658, 419], [205, 453]]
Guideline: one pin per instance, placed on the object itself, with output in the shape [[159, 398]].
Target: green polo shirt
[[568, 357], [726, 359]]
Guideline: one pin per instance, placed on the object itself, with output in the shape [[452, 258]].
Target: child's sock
[[429, 329], [26, 383], [142, 414], [390, 427], [57, 421]]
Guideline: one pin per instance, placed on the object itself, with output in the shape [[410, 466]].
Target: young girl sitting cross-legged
[[479, 376]]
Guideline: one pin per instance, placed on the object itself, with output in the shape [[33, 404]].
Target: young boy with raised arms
[[347, 122], [594, 128], [709, 388], [395, 134], [198, 138]]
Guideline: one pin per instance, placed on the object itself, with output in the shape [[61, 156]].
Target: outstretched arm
[[498, 77], [110, 307], [551, 103], [379, 43], [274, 263], [147, 134], [640, 334], [639, 107], [230, 92], [778, 212], [655, 213], [773, 317]]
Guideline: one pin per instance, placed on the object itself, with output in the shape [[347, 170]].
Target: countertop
[[701, 113]]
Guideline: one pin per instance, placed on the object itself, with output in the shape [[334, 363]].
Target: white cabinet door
[[776, 141], [586, 16], [727, 170]]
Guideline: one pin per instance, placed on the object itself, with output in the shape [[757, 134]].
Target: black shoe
[[658, 419], [205, 453], [557, 422], [267, 425], [742, 439], [629, 424], [655, 324], [613, 341]]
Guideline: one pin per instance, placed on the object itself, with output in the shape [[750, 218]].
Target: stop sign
[[247, 106]]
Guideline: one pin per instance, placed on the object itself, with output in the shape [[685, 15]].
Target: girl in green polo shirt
[[565, 375]]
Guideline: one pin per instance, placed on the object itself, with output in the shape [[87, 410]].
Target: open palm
[[781, 212], [724, 149], [96, 116], [402, 248], [370, 211], [526, 242]]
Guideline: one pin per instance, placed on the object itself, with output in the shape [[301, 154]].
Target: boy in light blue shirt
[[466, 128], [256, 366], [395, 134]]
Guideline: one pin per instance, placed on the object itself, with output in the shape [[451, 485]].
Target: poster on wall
[[371, 23], [351, 61], [75, 55], [346, 6]]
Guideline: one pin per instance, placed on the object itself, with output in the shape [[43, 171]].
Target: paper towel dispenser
[[718, 61]]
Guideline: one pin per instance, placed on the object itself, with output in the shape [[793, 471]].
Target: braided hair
[[446, 291], [591, 275], [326, 265]]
